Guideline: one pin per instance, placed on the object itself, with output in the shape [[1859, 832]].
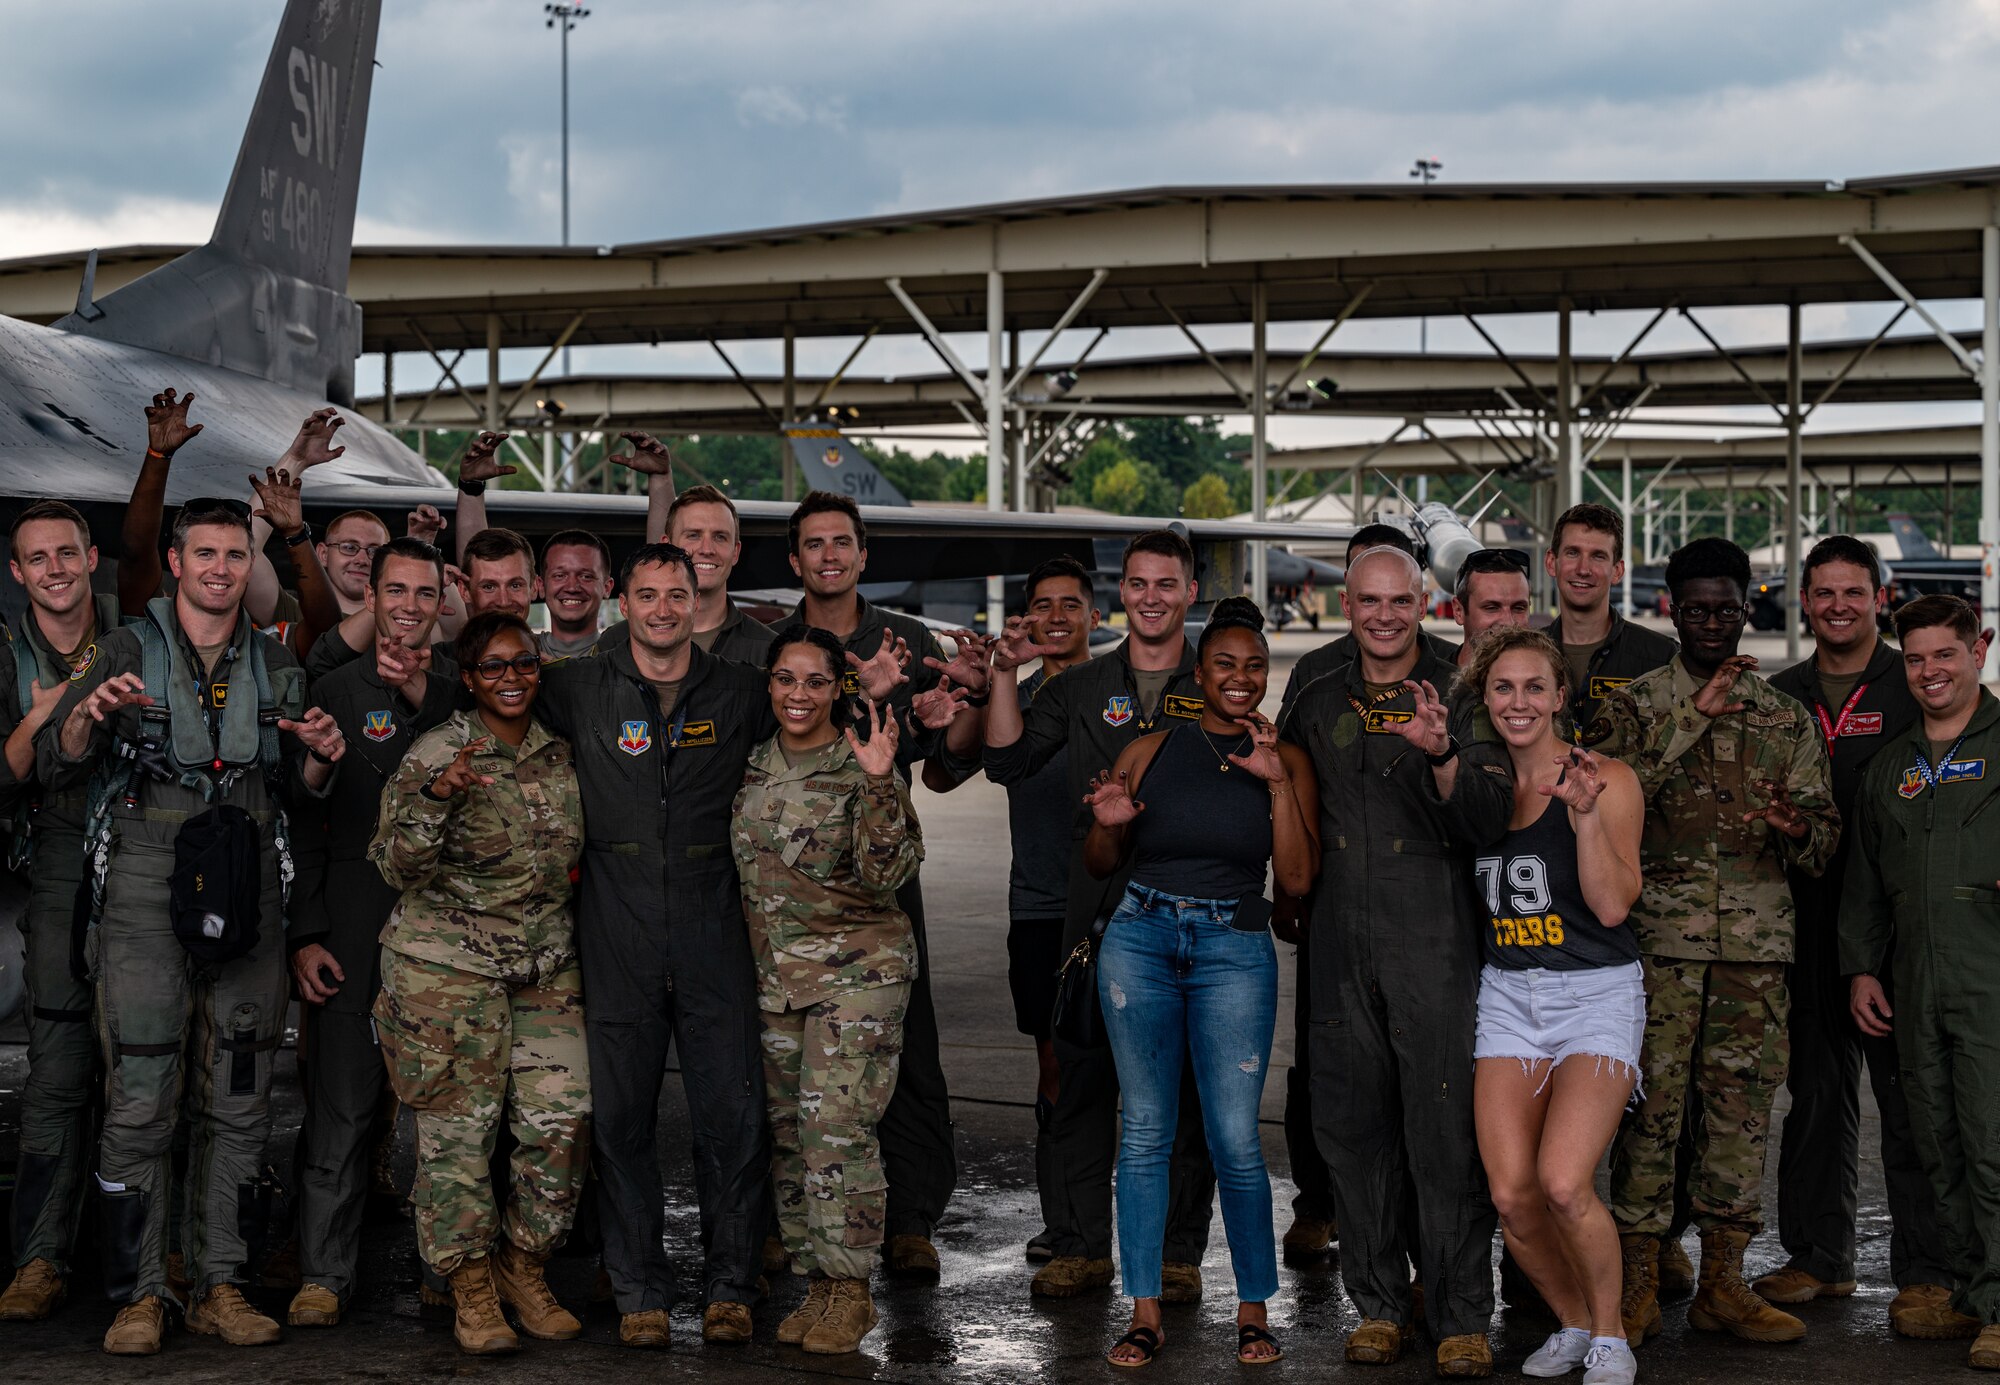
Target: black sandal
[[1144, 1338], [1249, 1334]]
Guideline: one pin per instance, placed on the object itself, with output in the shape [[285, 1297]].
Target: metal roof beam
[[940, 345], [1206, 354], [1062, 323], [1734, 364], [1855, 361], [1305, 362], [1895, 286]]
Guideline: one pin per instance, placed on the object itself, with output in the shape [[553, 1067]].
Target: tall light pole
[[565, 18], [1426, 169]]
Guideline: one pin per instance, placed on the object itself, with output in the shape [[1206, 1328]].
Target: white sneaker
[[1562, 1353], [1610, 1363]]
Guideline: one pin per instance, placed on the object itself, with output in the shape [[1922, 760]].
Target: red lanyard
[[1831, 728]]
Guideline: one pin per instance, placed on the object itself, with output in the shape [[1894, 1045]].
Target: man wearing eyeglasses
[[1738, 788], [1586, 559], [348, 555], [381, 702]]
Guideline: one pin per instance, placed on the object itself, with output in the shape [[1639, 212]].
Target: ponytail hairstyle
[[1233, 613]]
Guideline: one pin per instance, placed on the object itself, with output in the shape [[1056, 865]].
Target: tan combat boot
[[138, 1328], [36, 1292], [912, 1257], [314, 1305], [1308, 1240], [849, 1316], [1794, 1285], [648, 1327], [806, 1316], [1724, 1303], [1924, 1311], [1066, 1276], [1180, 1282], [1639, 1297], [517, 1277], [1985, 1353], [1676, 1270], [224, 1312], [1377, 1342], [725, 1323], [478, 1324], [1468, 1354]]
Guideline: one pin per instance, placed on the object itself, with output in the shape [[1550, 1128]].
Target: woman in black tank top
[[1561, 982], [1186, 971]]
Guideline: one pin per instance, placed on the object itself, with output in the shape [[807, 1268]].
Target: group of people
[[505, 870]]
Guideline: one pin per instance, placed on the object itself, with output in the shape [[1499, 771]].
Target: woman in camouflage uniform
[[824, 835], [481, 1007]]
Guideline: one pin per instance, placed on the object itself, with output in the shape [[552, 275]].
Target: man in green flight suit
[[1921, 896]]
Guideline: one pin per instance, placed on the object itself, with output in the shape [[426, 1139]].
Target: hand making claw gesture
[[278, 503], [649, 456], [397, 664], [458, 776], [1781, 814], [1017, 644], [936, 709], [425, 523], [167, 426], [318, 732], [968, 667], [876, 755], [1111, 802], [1711, 699], [314, 444], [120, 690], [1428, 728], [1262, 758], [1580, 781], [882, 673], [482, 459]]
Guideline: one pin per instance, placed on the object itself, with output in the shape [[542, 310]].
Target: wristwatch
[[472, 488], [304, 535], [1449, 754]]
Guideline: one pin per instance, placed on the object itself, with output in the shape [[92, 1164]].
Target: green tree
[[1132, 487], [1207, 497]]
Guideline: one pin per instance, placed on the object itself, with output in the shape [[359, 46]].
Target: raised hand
[[882, 673], [318, 732], [167, 426], [1111, 802], [120, 690], [648, 457], [968, 667], [1780, 814], [397, 664], [425, 523], [1262, 758], [1711, 699], [456, 777], [1429, 726], [1016, 645], [278, 499], [1580, 781], [482, 459], [876, 755], [314, 444], [935, 709]]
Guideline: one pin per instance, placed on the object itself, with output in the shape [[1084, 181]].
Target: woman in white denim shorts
[[1561, 1005]]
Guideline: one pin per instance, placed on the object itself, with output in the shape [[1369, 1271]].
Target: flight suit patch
[[1118, 710], [1961, 771], [695, 733], [1602, 686], [1598, 732], [378, 726], [635, 737], [83, 664], [218, 694], [850, 683], [1176, 706], [1861, 724], [1381, 723]]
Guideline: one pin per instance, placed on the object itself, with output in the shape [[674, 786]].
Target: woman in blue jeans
[[1186, 967]]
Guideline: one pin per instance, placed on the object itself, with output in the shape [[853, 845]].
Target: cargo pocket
[[867, 1213], [809, 829], [420, 1046]]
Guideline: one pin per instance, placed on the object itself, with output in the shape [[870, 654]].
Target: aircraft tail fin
[[268, 294], [827, 461], [1911, 538]]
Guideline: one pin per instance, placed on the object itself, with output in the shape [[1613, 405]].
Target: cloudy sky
[[120, 119]]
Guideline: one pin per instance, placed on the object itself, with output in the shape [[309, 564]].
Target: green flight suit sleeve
[[1866, 923]]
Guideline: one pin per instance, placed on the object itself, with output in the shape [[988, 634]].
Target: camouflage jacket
[[1715, 887], [485, 875], [821, 849]]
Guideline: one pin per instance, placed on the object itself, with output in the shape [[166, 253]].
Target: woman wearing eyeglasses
[[824, 836], [481, 1007]]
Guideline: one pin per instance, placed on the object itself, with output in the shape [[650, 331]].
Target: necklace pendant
[[1225, 769]]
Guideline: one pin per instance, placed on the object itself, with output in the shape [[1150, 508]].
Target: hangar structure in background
[[1185, 257]]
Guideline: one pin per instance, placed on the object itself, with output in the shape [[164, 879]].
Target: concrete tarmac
[[979, 1324]]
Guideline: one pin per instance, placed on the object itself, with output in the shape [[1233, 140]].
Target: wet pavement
[[979, 1324]]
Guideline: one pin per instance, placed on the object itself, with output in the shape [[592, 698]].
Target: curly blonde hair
[[1504, 639]]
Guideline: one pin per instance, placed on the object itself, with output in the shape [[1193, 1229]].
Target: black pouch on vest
[[216, 889], [1253, 914]]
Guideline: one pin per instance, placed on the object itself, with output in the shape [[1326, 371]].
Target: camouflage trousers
[[829, 1071], [1716, 1034], [461, 1047]]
